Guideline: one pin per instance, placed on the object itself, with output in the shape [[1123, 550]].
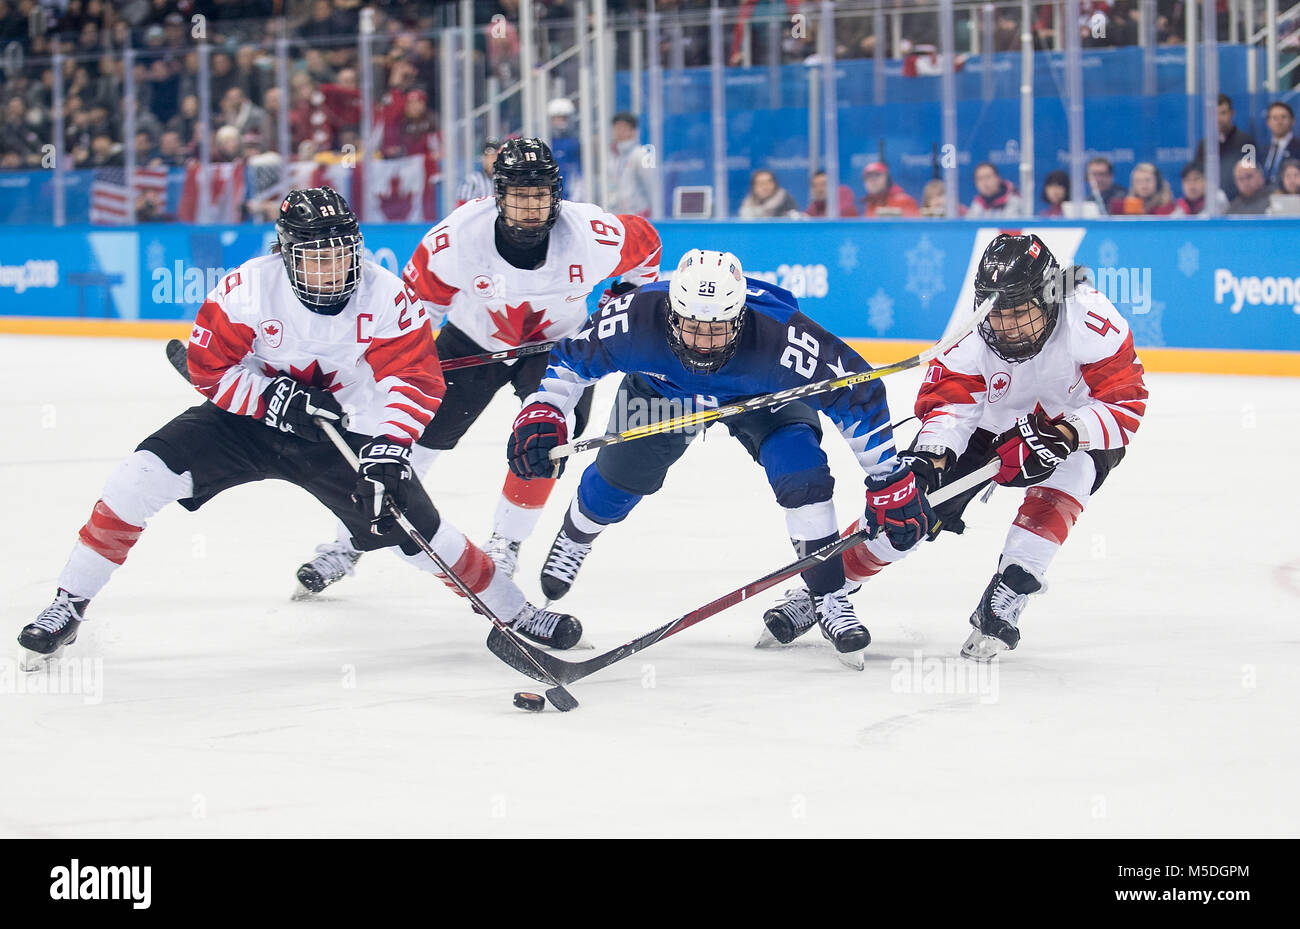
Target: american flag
[[109, 205]]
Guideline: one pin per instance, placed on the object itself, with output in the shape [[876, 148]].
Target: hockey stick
[[560, 698], [569, 671], [178, 356], [699, 417]]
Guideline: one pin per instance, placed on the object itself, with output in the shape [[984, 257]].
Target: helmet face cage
[[324, 273], [320, 243], [1019, 269], [526, 163], [708, 289], [694, 359]]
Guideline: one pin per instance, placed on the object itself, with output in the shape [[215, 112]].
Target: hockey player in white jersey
[[497, 274], [312, 332], [1053, 388]]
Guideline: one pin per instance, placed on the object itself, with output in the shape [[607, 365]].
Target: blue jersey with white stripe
[[779, 348]]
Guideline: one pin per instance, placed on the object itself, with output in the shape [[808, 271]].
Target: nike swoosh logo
[[577, 298], [781, 406]]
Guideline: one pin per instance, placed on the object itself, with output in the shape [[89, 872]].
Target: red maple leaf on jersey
[[310, 376], [519, 324], [999, 383], [271, 330]]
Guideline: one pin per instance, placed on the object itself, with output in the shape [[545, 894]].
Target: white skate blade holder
[[981, 647], [33, 662], [301, 593]]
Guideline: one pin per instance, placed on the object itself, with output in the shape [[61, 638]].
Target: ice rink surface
[[1155, 691]]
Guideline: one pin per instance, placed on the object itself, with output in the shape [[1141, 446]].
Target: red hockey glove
[[1031, 450]]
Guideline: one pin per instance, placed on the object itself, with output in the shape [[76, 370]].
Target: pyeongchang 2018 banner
[[1227, 284]]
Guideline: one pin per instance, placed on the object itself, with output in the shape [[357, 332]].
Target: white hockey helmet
[[560, 106], [708, 287]]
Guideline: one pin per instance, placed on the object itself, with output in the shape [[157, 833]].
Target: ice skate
[[562, 564], [504, 554], [54, 629], [556, 630], [790, 618], [995, 619], [334, 562], [840, 626]]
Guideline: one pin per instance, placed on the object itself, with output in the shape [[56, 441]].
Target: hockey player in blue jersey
[[710, 332]]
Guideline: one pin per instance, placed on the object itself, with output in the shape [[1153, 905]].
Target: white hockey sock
[[139, 487], [1032, 552], [811, 521], [513, 521], [498, 592]]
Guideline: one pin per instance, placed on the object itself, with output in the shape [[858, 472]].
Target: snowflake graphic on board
[[924, 270], [1146, 326], [1108, 254], [1189, 259], [880, 312], [155, 254], [848, 256]]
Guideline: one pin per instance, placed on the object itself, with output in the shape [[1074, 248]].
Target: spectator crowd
[[324, 106]]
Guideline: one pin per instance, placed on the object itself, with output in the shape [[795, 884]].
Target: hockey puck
[[533, 702]]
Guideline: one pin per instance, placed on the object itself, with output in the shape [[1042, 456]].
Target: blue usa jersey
[[779, 347]]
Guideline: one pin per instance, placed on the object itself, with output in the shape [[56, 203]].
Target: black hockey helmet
[[1023, 273], [527, 163], [320, 243]]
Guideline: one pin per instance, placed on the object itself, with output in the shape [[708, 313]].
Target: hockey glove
[[924, 465], [385, 470], [615, 290], [896, 505], [539, 428], [291, 407], [1031, 450]]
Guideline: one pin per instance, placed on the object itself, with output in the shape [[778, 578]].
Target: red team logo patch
[[200, 336], [272, 331], [999, 384], [484, 287]]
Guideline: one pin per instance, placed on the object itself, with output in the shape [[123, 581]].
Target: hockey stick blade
[[178, 356], [701, 417], [566, 672], [560, 698]]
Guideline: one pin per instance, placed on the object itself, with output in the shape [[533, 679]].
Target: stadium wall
[[1211, 296]]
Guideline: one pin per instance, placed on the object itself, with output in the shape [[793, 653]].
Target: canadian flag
[[224, 193], [339, 176], [394, 189]]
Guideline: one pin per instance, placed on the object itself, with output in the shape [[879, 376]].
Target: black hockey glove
[[385, 470], [538, 428], [896, 505], [613, 292], [924, 465], [291, 407], [1031, 450]]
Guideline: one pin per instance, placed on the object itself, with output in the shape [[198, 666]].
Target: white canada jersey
[[376, 355], [458, 273], [1087, 372]]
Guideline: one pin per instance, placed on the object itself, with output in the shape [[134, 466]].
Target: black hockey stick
[[569, 671], [699, 417], [560, 698], [178, 356]]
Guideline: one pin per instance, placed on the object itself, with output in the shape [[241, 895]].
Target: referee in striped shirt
[[479, 184]]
